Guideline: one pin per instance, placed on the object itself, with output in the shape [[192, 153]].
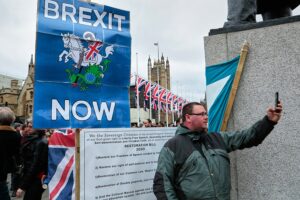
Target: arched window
[[30, 109], [31, 94]]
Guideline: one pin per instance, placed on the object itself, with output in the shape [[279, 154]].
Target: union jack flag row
[[158, 97]]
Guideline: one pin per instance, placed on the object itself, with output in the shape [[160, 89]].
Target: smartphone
[[276, 99]]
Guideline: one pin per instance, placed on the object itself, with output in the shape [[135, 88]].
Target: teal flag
[[219, 79]]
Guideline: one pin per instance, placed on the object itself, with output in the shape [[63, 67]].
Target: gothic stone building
[[19, 94], [159, 73]]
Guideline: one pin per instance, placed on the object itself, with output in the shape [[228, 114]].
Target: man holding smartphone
[[195, 164]]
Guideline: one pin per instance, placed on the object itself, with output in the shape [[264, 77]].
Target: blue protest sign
[[82, 70]]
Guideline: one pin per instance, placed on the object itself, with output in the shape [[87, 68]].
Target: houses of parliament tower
[[159, 73]]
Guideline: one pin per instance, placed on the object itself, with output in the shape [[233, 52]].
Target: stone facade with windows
[[9, 95], [19, 94]]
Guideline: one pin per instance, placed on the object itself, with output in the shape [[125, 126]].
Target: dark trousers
[[4, 194], [35, 191]]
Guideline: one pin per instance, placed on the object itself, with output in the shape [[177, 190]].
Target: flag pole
[[150, 108], [167, 108], [77, 164], [137, 92], [243, 56], [157, 67], [172, 111]]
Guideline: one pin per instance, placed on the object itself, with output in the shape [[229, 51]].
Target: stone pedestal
[[270, 171]]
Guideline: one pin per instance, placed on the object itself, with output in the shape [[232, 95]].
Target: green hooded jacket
[[196, 165]]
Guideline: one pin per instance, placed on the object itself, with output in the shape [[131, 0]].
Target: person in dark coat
[[195, 164], [34, 153], [9, 148], [15, 176]]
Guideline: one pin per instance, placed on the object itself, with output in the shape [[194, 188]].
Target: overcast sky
[[178, 26]]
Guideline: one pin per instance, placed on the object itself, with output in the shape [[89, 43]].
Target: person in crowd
[[178, 121], [195, 165], [147, 123], [48, 133], [34, 153], [16, 175], [161, 124], [28, 128], [133, 125], [22, 130], [9, 148], [17, 127]]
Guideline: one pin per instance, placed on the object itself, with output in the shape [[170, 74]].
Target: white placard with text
[[120, 163]]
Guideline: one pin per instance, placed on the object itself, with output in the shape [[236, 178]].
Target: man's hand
[[274, 114], [19, 193]]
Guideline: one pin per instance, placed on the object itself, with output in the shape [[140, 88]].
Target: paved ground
[[45, 194]]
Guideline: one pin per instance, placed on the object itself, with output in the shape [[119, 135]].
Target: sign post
[[243, 56], [77, 164]]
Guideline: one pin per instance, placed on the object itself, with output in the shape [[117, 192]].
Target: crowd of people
[[148, 123], [23, 154], [194, 164]]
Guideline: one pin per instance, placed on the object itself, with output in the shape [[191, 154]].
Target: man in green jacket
[[195, 165]]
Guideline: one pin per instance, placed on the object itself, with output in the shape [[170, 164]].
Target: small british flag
[[61, 165]]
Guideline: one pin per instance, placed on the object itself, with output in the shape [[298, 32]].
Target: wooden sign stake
[[243, 55], [77, 164]]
